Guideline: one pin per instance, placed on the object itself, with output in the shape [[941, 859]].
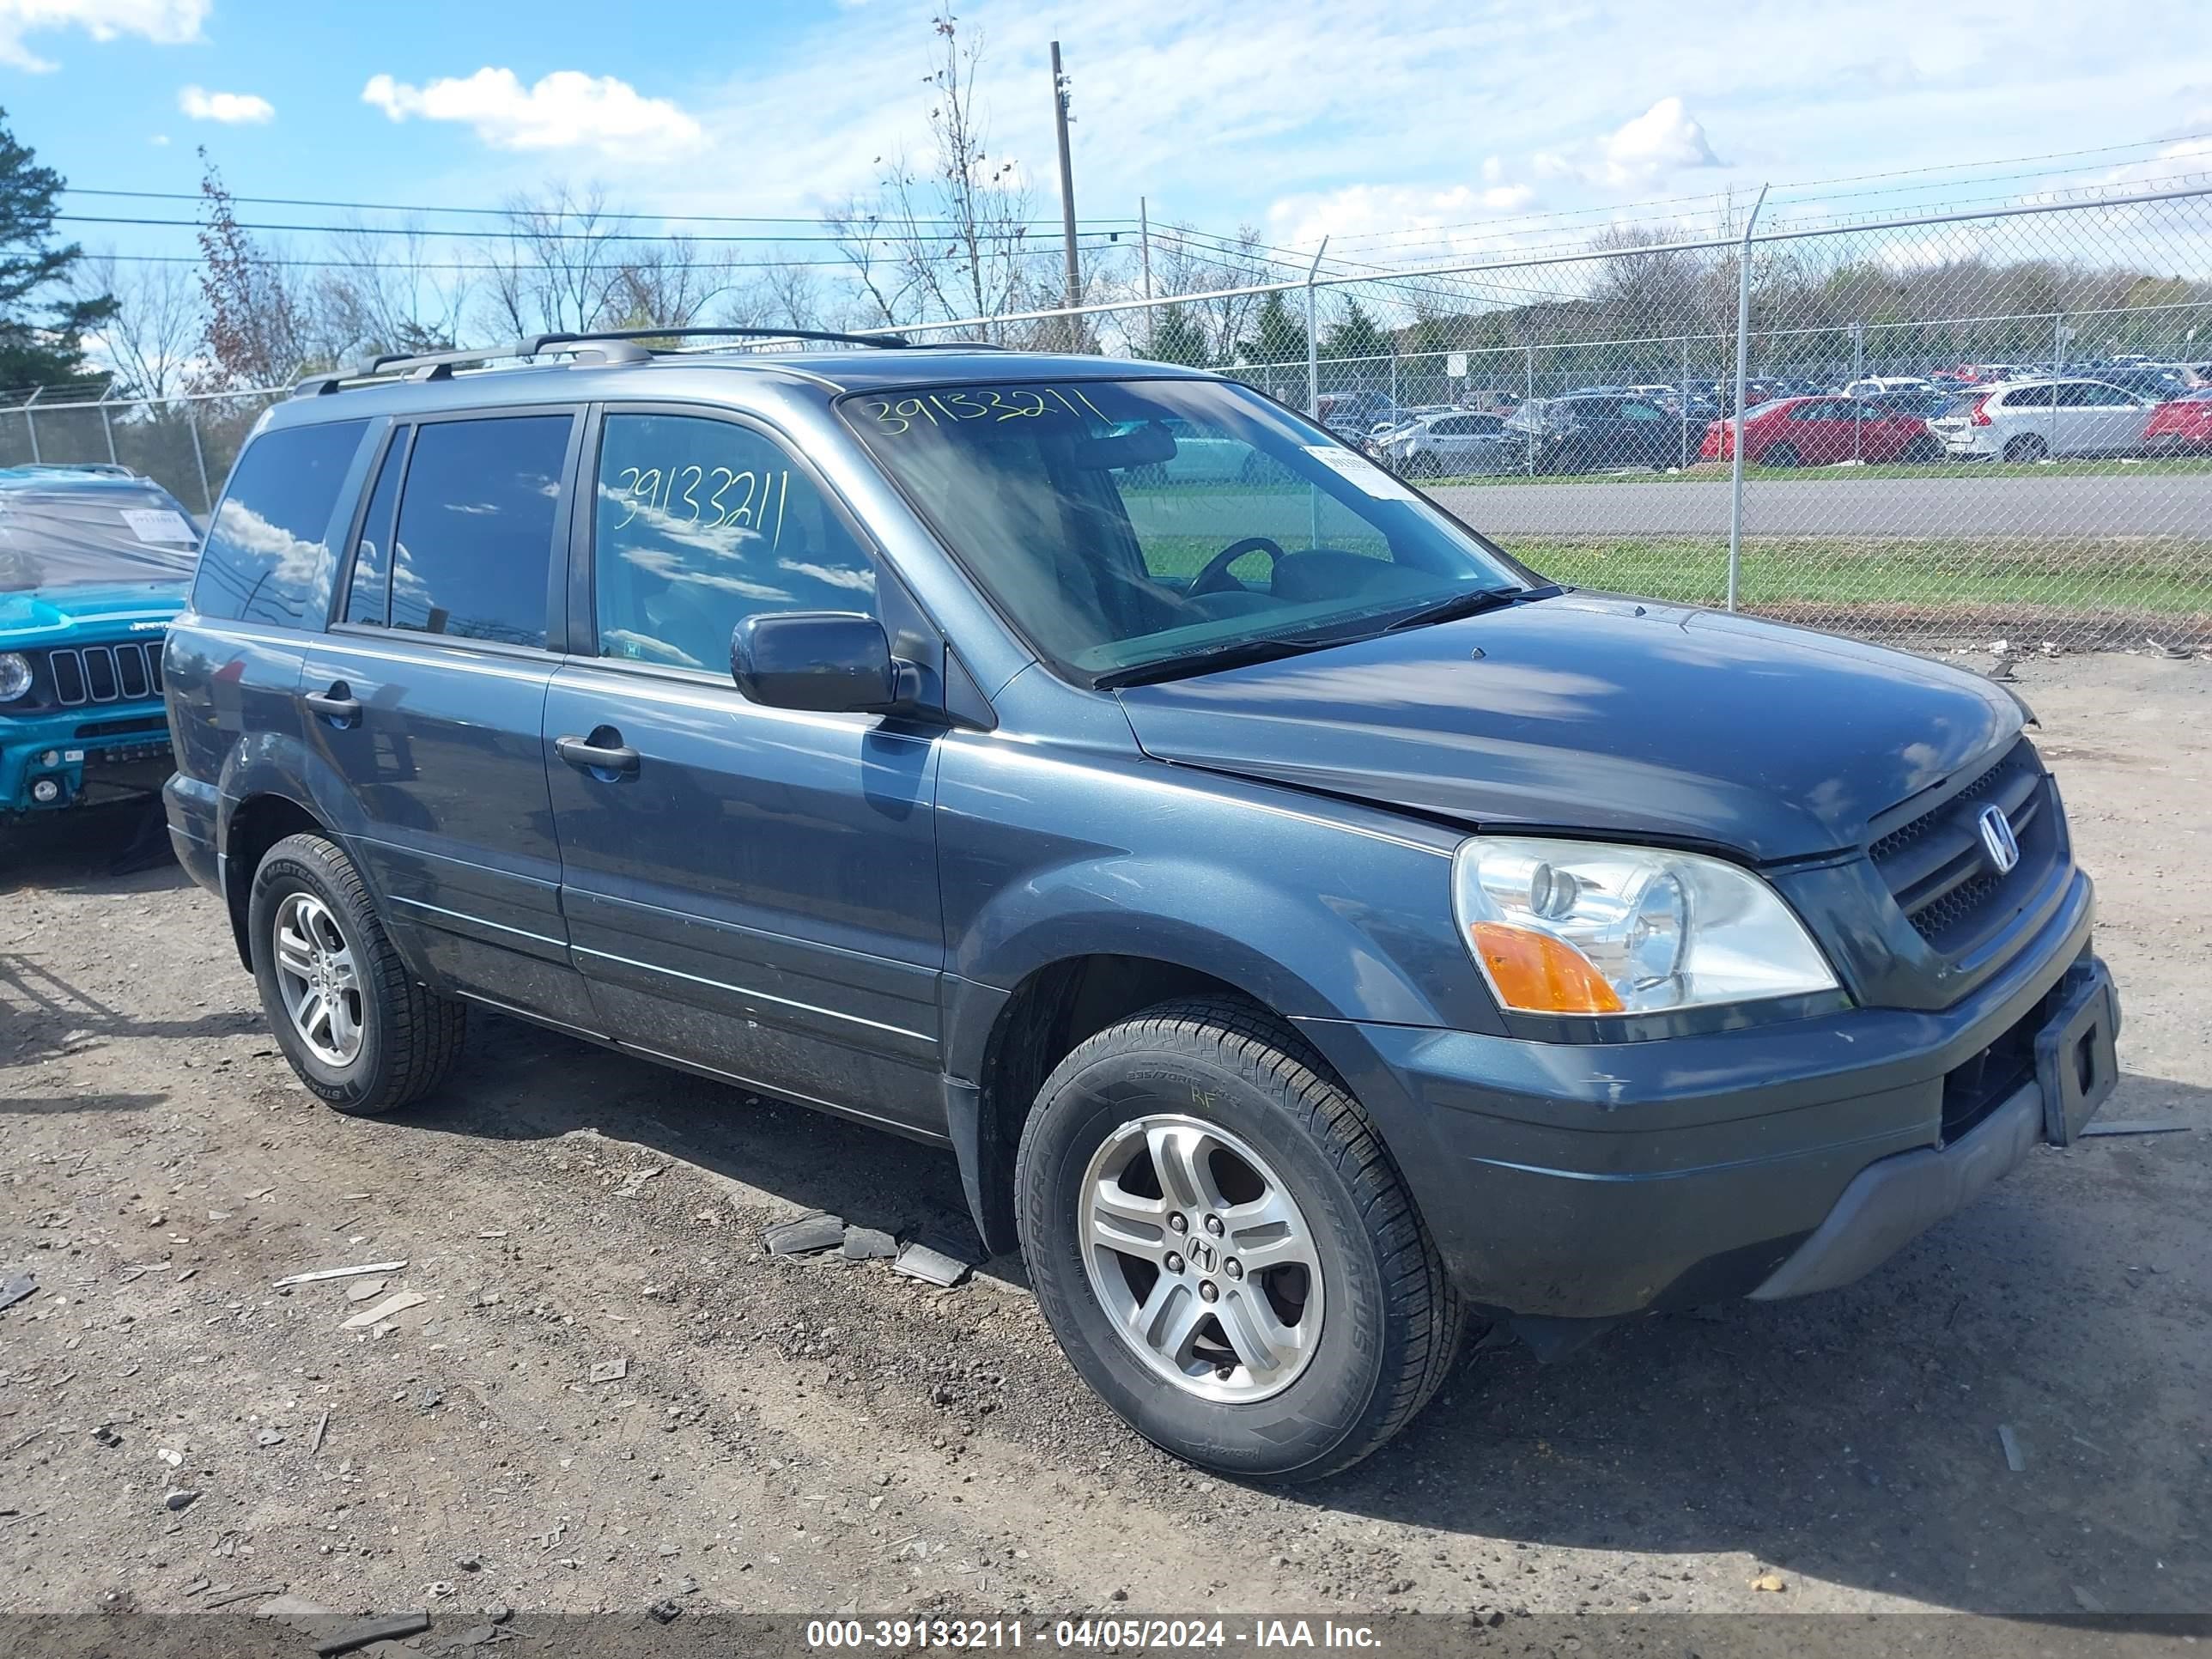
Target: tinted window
[[369, 598], [702, 523], [475, 542], [2028, 396], [1632, 410], [268, 556]]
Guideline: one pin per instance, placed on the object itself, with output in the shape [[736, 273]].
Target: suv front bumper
[[1599, 1180], [108, 752]]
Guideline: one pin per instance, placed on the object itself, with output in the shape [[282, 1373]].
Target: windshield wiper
[[1237, 655], [1471, 602]]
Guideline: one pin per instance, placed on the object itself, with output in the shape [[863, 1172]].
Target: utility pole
[[1144, 245], [1060, 118]]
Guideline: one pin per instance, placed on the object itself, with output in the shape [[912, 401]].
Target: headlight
[[15, 675], [1588, 927]]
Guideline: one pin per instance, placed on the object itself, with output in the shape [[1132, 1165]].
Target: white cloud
[[231, 108], [1638, 154], [565, 110], [159, 140], [1440, 219], [165, 22]]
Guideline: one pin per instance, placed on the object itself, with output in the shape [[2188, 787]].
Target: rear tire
[[1355, 1323], [2026, 447], [389, 1039]]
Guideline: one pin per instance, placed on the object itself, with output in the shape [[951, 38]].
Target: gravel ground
[[813, 1434]]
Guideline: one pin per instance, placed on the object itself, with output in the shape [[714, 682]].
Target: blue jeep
[[94, 563], [1309, 928]]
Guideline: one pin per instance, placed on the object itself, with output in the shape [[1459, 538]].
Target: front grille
[[1937, 870], [127, 672]]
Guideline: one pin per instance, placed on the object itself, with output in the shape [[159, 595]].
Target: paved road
[[2156, 504]]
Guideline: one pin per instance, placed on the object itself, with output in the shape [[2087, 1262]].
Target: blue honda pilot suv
[[1310, 929]]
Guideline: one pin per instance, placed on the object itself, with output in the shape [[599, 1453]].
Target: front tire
[[359, 1030], [1300, 1316]]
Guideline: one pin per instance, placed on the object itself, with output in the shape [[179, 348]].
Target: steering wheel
[[1216, 579]]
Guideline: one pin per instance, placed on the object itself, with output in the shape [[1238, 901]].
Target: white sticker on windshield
[[159, 524], [1362, 473]]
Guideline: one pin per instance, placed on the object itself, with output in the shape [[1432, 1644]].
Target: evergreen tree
[[1177, 338], [41, 331], [1278, 336], [1355, 335]]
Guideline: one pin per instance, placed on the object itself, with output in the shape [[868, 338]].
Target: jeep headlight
[[1589, 927], [15, 675]]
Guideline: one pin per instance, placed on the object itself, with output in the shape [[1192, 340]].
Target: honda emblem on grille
[[1999, 841]]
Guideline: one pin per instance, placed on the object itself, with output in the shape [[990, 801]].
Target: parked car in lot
[[94, 563], [1919, 403], [1311, 930], [1600, 432], [2181, 426], [1876, 385], [2034, 420], [2154, 382], [1456, 442], [1820, 432]]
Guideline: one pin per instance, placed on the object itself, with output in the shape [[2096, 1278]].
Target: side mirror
[[827, 661]]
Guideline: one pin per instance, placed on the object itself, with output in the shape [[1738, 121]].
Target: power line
[[886, 233], [486, 268], [510, 213]]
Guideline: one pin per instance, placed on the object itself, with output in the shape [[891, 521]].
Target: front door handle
[[588, 757], [338, 705]]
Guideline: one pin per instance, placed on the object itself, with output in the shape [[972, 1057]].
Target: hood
[[1591, 713], [54, 616]]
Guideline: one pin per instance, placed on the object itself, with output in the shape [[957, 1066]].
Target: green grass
[[1717, 472], [1827, 575], [1853, 585]]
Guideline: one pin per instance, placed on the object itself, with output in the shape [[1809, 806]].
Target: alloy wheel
[[317, 976], [1203, 1261]]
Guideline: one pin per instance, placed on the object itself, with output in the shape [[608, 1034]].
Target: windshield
[[1118, 524], [73, 537]]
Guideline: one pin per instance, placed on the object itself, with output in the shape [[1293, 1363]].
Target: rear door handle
[[586, 756], [338, 705]]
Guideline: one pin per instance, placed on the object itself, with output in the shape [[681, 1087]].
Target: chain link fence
[[1957, 428]]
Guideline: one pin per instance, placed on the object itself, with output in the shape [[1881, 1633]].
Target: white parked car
[[2032, 420], [1456, 442], [1875, 384]]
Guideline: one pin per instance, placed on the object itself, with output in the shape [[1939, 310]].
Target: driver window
[[1218, 489], [702, 523]]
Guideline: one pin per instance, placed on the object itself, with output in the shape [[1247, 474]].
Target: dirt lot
[[811, 1435]]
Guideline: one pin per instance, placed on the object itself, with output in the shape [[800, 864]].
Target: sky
[[1417, 129]]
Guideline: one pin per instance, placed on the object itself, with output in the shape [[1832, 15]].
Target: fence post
[[1735, 415], [1529, 396], [1313, 336], [107, 427], [31, 424], [1686, 403], [199, 458]]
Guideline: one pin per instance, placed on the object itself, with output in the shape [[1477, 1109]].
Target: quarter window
[[368, 599], [699, 524], [474, 548], [268, 554]]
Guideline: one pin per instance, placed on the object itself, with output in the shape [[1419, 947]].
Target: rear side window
[[474, 549], [369, 598], [702, 523], [267, 553]]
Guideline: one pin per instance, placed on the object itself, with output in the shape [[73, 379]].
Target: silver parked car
[[1456, 442]]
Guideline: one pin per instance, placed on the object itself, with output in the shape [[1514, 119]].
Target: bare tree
[[156, 334], [949, 237], [557, 265], [1182, 264], [386, 293], [669, 283]]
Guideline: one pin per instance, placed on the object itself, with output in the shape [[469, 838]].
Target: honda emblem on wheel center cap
[[1203, 1255], [1998, 841]]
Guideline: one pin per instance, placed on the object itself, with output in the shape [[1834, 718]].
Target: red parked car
[[2182, 426], [1821, 431]]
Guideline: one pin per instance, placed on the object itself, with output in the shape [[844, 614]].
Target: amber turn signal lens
[[1538, 973]]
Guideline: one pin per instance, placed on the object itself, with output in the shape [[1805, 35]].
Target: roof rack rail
[[606, 345], [887, 342], [440, 364]]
